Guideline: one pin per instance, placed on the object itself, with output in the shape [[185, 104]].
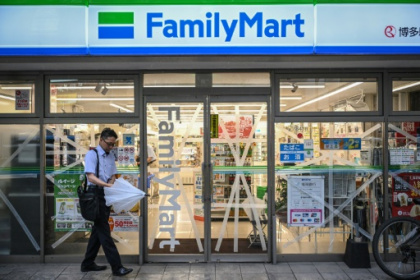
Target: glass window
[[329, 185], [66, 146], [404, 175], [20, 190], [241, 79], [406, 94], [328, 95], [17, 97], [169, 80], [91, 96]]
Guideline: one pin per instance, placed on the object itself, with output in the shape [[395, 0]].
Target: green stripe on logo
[[367, 1], [116, 18]]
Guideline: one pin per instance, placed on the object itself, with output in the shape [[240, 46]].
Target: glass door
[[238, 154], [175, 208], [208, 185]]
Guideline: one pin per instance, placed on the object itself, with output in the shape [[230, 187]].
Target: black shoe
[[122, 271], [93, 267]]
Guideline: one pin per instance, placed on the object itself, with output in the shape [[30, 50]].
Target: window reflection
[[406, 95], [66, 146], [404, 176], [19, 190], [347, 157], [92, 96], [328, 95], [17, 98]]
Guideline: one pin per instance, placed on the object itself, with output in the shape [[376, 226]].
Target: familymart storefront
[[276, 125]]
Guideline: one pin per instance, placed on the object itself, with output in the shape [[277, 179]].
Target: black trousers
[[101, 235]]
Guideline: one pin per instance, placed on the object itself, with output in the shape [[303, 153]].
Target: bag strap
[[97, 169], [97, 163]]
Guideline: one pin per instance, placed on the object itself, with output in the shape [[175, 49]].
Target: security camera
[[295, 88]]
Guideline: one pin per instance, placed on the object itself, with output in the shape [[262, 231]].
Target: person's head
[[108, 139]]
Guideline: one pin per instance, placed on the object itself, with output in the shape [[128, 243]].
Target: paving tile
[[178, 268], [149, 277], [97, 276], [69, 277], [30, 267], [360, 275], [378, 273], [202, 276], [327, 267], [252, 268], [6, 270], [308, 276], [345, 267], [73, 269], [228, 276], [254, 276], [152, 269], [228, 268], [281, 276], [200, 271], [278, 268], [175, 276], [203, 268], [18, 276], [44, 275], [57, 268], [125, 277], [334, 276], [302, 267]]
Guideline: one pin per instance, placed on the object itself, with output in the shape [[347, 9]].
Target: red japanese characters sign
[[405, 200]]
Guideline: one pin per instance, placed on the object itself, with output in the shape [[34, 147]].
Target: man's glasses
[[108, 143]]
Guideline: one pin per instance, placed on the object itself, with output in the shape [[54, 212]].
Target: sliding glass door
[[208, 185]]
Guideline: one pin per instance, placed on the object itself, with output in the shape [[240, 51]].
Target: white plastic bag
[[122, 195]]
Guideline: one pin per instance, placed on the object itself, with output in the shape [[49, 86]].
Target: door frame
[[268, 255], [207, 96]]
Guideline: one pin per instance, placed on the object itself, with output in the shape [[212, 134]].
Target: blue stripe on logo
[[116, 32], [235, 50]]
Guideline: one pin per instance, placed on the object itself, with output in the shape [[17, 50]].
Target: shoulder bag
[[88, 201]]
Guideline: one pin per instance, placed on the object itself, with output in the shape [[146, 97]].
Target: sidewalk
[[211, 271]]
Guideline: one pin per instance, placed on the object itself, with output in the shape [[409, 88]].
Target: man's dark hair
[[108, 132]]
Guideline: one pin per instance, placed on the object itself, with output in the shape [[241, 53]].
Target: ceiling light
[[405, 86], [93, 87], [16, 87], [5, 96], [325, 96], [311, 86], [290, 86], [120, 107], [96, 99], [164, 86], [290, 97]]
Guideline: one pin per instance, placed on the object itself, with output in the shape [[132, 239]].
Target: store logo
[[171, 167], [390, 31], [215, 26], [116, 25]]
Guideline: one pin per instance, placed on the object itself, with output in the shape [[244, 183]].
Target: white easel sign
[[305, 200], [22, 99]]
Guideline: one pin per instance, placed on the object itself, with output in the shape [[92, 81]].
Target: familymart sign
[[326, 28], [209, 30]]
